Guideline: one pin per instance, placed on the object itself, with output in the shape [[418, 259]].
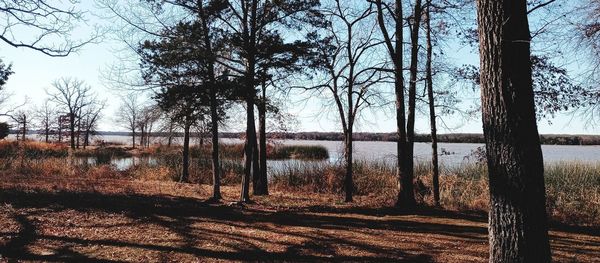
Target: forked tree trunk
[[395, 50], [406, 198], [432, 121], [518, 230], [249, 32]]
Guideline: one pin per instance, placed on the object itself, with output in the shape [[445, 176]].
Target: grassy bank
[[573, 189]]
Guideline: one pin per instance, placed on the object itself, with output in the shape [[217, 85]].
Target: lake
[[449, 153]]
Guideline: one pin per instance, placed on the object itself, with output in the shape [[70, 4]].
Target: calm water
[[450, 153], [454, 152]]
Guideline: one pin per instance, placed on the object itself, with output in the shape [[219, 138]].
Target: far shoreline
[[545, 139]]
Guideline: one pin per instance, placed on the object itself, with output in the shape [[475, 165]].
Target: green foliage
[[5, 72]]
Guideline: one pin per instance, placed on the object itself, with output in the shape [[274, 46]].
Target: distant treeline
[[556, 139]]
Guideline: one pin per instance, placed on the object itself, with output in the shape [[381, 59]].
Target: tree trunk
[[47, 131], [78, 132], [60, 132], [142, 134], [248, 149], [263, 184], [249, 34], [407, 195], [186, 154], [24, 127], [170, 139], [348, 180], [133, 138], [72, 129], [518, 230], [215, 146], [432, 120], [86, 138], [255, 166]]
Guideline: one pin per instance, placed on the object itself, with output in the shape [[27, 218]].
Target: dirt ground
[[84, 220]]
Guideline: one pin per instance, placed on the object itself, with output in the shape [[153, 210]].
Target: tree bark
[[72, 129], [24, 127], [216, 167], [518, 230], [248, 149], [133, 138], [263, 186], [406, 198], [432, 121], [249, 33], [255, 166], [47, 131], [186, 154], [348, 181]]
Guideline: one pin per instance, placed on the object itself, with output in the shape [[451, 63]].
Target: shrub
[[304, 152]]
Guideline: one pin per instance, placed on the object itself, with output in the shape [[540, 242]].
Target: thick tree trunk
[[518, 229], [249, 34], [186, 154], [263, 186], [248, 149], [432, 121], [403, 171], [407, 195], [216, 167]]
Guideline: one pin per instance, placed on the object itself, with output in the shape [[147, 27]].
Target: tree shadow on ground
[[213, 231]]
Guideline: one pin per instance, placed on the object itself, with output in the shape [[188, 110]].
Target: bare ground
[[77, 220]]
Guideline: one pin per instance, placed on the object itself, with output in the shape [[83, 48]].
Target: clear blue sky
[[34, 73]]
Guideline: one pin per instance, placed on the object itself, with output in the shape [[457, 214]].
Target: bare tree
[[45, 23], [405, 121], [345, 55], [147, 118], [128, 114], [46, 117], [518, 230], [431, 102], [22, 121], [89, 120], [73, 95]]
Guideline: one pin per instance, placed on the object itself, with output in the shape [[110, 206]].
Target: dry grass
[[573, 189], [52, 218]]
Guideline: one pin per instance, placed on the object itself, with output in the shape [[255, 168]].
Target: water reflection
[[125, 163], [120, 163]]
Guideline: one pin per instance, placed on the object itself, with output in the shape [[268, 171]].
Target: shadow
[[168, 228]]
